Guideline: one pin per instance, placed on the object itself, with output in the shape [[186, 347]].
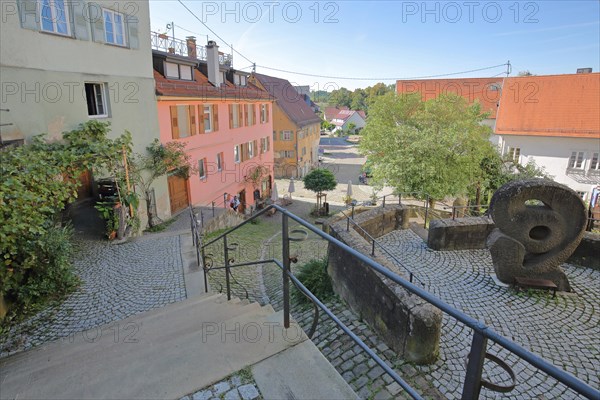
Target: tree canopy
[[434, 147], [319, 180]]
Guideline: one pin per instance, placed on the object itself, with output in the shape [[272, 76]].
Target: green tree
[[434, 147], [341, 98], [351, 127], [159, 160], [318, 181]]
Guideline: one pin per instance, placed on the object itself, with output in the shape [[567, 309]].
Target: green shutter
[[29, 14], [80, 25]]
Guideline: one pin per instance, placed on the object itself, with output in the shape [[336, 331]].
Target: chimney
[[191, 47], [212, 60]]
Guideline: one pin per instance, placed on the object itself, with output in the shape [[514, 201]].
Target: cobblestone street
[[118, 280]]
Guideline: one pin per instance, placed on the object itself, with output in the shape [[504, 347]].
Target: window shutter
[[231, 116], [267, 108], [246, 114], [97, 23], [174, 125], [28, 12], [281, 135], [192, 112], [79, 18], [240, 115], [201, 118], [215, 111], [255, 147], [268, 144], [132, 29]]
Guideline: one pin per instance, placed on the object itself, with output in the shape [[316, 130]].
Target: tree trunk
[[151, 219]]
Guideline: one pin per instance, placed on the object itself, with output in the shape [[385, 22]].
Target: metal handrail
[[385, 250], [481, 332]]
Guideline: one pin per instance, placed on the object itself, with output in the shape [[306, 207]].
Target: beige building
[[63, 63], [296, 128]]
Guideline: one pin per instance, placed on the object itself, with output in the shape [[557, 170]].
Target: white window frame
[[264, 142], [236, 116], [220, 161], [250, 149], [236, 154], [114, 14], [179, 69], [596, 167], [287, 135], [191, 70], [202, 168], [514, 153], [263, 113], [288, 154], [99, 89], [208, 107], [250, 110], [575, 161], [54, 16]]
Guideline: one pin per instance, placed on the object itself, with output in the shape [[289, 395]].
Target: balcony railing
[[185, 48]]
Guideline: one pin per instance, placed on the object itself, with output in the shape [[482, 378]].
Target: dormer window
[[224, 77], [178, 71], [239, 80]]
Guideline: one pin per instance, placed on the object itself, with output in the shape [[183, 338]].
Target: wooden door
[[84, 191], [242, 198], [178, 193]]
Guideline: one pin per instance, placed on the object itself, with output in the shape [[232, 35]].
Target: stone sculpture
[[539, 224]]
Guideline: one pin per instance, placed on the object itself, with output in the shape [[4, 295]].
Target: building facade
[[224, 121], [63, 63], [554, 120], [296, 128]]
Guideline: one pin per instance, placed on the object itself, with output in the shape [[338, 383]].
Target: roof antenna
[[508, 68]]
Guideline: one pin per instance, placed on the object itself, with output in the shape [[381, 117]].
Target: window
[[224, 76], [594, 163], [236, 119], [274, 135], [250, 114], [304, 151], [219, 161], [55, 16], [250, 149], [264, 113], [576, 160], [202, 168], [287, 154], [183, 121], [178, 71], [114, 27], [494, 87], [208, 118], [514, 153], [239, 80], [287, 135], [95, 94], [264, 144], [236, 154]]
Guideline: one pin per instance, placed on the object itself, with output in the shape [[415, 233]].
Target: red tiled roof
[[472, 89], [551, 105], [202, 88], [289, 100], [331, 112]]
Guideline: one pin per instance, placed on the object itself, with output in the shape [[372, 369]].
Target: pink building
[[224, 120]]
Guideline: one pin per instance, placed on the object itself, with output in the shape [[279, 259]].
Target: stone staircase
[[173, 351]]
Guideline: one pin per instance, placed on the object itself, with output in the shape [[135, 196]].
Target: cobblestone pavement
[[118, 280], [564, 330], [239, 386]]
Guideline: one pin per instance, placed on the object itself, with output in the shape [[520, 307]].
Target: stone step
[[172, 357]]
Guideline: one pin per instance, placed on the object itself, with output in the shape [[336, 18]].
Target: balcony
[[185, 48]]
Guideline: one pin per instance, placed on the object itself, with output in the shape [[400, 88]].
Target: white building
[[554, 120], [63, 63]]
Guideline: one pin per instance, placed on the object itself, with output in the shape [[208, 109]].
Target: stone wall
[[459, 233], [408, 324], [227, 219], [587, 254]]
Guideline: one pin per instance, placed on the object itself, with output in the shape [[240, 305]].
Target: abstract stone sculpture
[[539, 224]]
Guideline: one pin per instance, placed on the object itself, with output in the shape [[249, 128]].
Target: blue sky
[[393, 39]]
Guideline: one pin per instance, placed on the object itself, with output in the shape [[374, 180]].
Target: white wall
[[553, 154]]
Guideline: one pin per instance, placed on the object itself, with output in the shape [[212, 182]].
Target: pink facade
[[226, 175]]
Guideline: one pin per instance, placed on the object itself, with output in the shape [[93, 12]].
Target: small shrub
[[314, 276], [160, 227]]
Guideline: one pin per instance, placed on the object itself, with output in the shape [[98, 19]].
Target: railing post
[[286, 269], [476, 358], [204, 269], [399, 199], [202, 219], [352, 211], [383, 203], [224, 200], [347, 224], [213, 208], [453, 212], [226, 254], [373, 247], [426, 211]]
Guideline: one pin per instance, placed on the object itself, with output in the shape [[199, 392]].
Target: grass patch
[[160, 227]]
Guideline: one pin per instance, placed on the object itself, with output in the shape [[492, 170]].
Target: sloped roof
[[331, 112], [480, 89], [551, 105], [345, 114], [289, 100], [201, 87]]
